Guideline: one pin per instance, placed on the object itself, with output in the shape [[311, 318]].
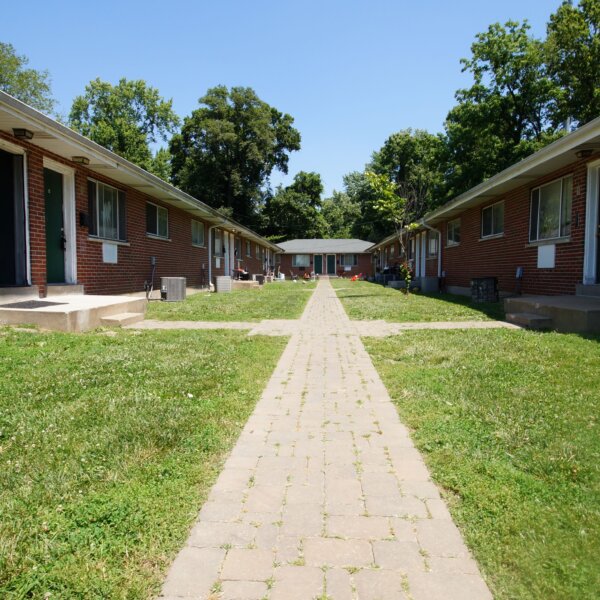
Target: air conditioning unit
[[172, 289]]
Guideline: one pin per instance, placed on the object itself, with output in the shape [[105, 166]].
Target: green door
[[331, 264], [318, 264], [55, 233]]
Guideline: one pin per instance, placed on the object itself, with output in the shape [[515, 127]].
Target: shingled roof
[[321, 246]]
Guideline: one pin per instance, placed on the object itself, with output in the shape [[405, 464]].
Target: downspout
[[210, 257], [439, 258]]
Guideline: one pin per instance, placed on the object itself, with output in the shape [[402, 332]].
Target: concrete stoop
[[75, 313], [568, 314], [530, 320], [238, 284], [122, 319]]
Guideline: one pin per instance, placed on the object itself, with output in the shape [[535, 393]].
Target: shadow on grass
[[493, 310]]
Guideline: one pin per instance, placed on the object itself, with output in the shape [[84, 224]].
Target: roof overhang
[[553, 157], [52, 136]]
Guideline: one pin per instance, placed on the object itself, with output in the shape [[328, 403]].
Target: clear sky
[[350, 72]]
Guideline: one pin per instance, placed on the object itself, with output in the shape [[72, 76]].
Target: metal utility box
[[484, 289], [223, 283], [172, 289]]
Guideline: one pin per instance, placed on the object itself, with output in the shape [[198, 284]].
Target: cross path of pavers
[[324, 494]]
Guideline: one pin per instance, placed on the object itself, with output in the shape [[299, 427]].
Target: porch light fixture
[[22, 134], [80, 160], [584, 153]]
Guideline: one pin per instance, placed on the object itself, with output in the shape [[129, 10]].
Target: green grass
[[108, 446], [508, 422], [277, 300], [363, 301]]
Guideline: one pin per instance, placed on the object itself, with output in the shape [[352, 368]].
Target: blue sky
[[350, 72]]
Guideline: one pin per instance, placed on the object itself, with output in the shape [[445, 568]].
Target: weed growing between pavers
[[508, 423], [108, 446]]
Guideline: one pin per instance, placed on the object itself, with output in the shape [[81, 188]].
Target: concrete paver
[[324, 493]]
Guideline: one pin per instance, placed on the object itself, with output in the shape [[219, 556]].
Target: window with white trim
[[107, 212], [432, 244], [301, 260], [550, 214], [197, 233], [492, 220], [348, 260], [248, 248], [453, 232], [157, 220]]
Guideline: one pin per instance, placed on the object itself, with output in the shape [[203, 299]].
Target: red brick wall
[[176, 257], [500, 257], [365, 266]]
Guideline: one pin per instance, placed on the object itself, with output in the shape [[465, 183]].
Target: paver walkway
[[324, 495]]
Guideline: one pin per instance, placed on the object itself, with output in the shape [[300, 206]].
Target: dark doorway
[[318, 259], [331, 264], [13, 259], [55, 227]]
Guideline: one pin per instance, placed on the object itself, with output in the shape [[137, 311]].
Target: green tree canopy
[[229, 147], [340, 214], [504, 115], [126, 118], [294, 211], [573, 57], [28, 85]]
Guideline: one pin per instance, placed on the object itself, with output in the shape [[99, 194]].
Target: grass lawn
[[508, 422], [108, 446], [277, 300], [363, 301]]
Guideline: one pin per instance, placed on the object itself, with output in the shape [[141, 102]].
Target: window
[[411, 248], [453, 232], [432, 244], [348, 260], [492, 220], [107, 215], [217, 242], [197, 233], [238, 248], [301, 260], [157, 220], [550, 215], [248, 248]]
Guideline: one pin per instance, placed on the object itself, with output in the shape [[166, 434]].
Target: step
[[64, 289], [122, 319], [530, 320], [588, 290]]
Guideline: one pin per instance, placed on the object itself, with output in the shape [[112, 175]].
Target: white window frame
[[218, 243], [560, 235], [451, 228], [433, 239], [344, 260], [305, 259], [494, 233], [158, 211], [202, 228], [248, 248], [97, 235]]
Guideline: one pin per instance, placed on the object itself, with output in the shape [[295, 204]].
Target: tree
[[126, 118], [340, 214], [294, 211], [229, 147], [414, 161], [395, 208], [28, 85], [573, 57], [504, 116], [370, 225]]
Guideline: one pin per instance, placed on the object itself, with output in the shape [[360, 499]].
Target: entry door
[[55, 227], [226, 266], [318, 264], [331, 264], [12, 224]]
